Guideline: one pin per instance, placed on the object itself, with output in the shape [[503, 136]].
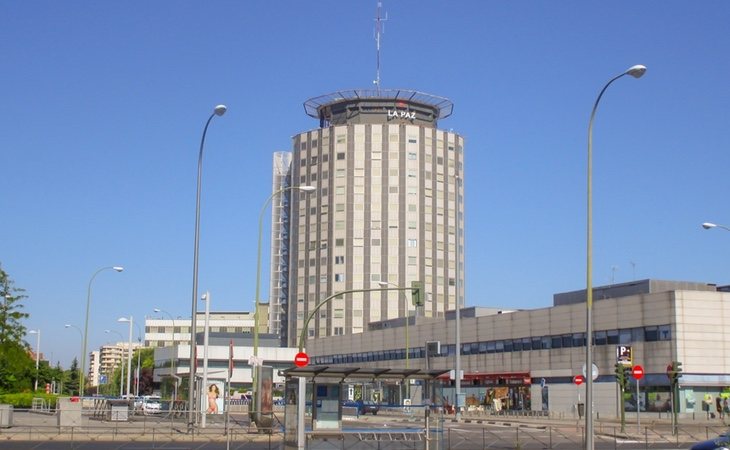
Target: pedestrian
[[725, 406], [718, 407]]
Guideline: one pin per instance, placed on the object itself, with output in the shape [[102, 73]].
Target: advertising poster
[[212, 397]]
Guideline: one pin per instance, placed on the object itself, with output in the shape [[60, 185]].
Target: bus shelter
[[316, 396]]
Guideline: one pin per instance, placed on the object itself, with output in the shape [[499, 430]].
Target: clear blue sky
[[102, 106]]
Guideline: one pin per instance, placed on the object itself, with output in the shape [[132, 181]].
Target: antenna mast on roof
[[379, 28]]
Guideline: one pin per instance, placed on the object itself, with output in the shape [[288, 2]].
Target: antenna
[[379, 28], [633, 270]]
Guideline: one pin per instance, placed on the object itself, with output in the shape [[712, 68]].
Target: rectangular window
[[413, 243], [339, 260], [339, 277], [340, 156]]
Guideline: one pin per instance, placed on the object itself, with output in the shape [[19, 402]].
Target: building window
[[413, 243], [339, 259], [339, 242], [340, 156], [339, 277]]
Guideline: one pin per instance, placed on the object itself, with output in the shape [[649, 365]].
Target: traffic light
[[621, 376], [627, 377], [676, 372], [417, 293]]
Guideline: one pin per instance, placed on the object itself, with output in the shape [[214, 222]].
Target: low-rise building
[[528, 359]]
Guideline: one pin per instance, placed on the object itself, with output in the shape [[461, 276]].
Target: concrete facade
[[546, 347], [387, 206]]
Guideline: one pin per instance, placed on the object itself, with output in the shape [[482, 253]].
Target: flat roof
[[362, 372]]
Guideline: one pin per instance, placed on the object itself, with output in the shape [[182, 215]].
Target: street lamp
[[68, 325], [121, 362], [139, 356], [172, 356], [129, 350], [635, 71], [708, 225], [306, 189], [86, 326], [217, 111], [256, 362], [37, 353]]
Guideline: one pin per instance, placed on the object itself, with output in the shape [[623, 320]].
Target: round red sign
[[637, 372], [301, 359], [579, 379]]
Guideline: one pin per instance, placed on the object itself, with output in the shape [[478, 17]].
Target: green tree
[[11, 310], [17, 368], [71, 385]]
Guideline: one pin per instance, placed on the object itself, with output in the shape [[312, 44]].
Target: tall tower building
[[279, 278], [388, 207]]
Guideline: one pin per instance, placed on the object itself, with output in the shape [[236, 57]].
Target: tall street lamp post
[[68, 325], [217, 111], [258, 262], [457, 365], [636, 72], [121, 362], [139, 356], [37, 353], [86, 325], [129, 350], [173, 375], [257, 300]]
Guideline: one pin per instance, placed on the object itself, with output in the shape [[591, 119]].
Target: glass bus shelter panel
[[326, 407]]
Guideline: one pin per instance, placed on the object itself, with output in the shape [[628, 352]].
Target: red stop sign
[[301, 359], [637, 372], [579, 379]]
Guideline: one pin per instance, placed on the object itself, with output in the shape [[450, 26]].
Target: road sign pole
[[638, 408]]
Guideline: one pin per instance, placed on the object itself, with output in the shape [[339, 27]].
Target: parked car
[[151, 404], [369, 407]]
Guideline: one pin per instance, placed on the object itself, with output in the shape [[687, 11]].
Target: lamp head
[[157, 310], [708, 225], [123, 319], [220, 110], [68, 325], [383, 283], [636, 71], [306, 188], [118, 268], [33, 331]]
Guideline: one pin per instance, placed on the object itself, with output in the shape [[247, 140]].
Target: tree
[[17, 368], [72, 378], [11, 314]]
